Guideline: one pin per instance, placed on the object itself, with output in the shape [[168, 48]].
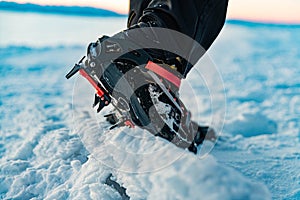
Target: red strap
[[163, 73], [129, 124], [94, 84]]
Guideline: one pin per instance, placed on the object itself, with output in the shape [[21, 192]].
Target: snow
[[53, 144], [251, 125]]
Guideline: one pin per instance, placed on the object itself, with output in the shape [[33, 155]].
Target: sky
[[282, 11]]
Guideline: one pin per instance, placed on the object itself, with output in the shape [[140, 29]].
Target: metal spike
[[101, 106], [114, 126], [75, 69], [120, 123], [111, 118], [108, 115], [96, 100]]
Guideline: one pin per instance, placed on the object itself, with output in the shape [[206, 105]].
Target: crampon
[[142, 91]]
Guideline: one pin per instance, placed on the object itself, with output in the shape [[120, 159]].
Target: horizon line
[[118, 14]]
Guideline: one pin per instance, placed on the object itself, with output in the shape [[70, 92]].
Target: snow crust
[[52, 147]]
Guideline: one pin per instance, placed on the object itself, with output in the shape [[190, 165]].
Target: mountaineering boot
[[142, 84]]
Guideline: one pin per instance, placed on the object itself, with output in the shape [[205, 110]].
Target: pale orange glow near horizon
[[120, 6], [287, 11]]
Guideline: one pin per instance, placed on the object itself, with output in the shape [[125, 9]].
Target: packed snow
[[54, 146]]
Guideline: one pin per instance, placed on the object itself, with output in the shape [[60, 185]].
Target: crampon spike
[[96, 100], [75, 69]]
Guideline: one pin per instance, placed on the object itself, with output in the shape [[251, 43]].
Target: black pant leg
[[202, 20]]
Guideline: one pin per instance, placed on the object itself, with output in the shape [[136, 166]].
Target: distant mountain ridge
[[63, 10], [260, 24], [98, 12]]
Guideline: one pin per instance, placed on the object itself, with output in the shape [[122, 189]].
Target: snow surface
[[52, 145]]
